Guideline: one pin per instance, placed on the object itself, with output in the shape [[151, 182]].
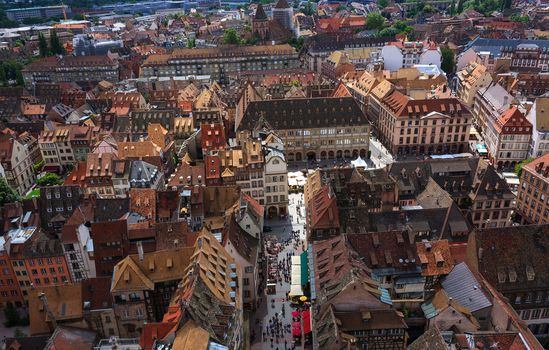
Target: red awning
[[296, 325], [296, 331], [295, 313], [306, 321]]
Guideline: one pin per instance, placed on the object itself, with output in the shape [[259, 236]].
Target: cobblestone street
[[281, 231]]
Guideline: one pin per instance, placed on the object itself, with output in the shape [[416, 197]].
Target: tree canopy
[[448, 60], [374, 21], [518, 167], [49, 179], [7, 194], [382, 3], [43, 45], [55, 45], [230, 36], [308, 9]]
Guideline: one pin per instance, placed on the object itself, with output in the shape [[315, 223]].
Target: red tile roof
[[513, 117], [323, 209], [403, 106]]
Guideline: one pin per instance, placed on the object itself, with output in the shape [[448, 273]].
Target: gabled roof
[[165, 265], [260, 13], [461, 285], [431, 339], [191, 336]]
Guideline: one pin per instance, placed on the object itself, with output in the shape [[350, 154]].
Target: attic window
[[126, 276], [530, 274], [169, 263], [512, 275]]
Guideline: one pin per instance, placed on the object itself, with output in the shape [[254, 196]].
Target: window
[[246, 281], [249, 269]]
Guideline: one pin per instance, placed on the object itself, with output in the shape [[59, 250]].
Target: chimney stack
[[140, 251]]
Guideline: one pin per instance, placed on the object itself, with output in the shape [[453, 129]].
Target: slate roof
[[260, 13], [461, 285], [495, 46], [304, 112], [514, 257], [109, 209]]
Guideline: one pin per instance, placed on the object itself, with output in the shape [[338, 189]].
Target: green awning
[[304, 268]]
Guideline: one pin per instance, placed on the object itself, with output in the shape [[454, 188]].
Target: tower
[[260, 23]]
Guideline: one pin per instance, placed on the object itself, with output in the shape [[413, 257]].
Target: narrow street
[[272, 305]]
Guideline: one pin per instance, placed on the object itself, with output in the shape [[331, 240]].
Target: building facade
[[68, 69], [423, 127], [16, 160], [313, 128], [508, 138], [533, 193], [221, 61]]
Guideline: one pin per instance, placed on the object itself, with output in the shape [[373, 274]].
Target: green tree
[[518, 167], [340, 8], [452, 9], [459, 6], [297, 43], [506, 4], [519, 18], [308, 9], [7, 193], [17, 333], [448, 60], [11, 314], [374, 21], [55, 45], [79, 17], [382, 3], [43, 45], [230, 36], [191, 43], [49, 179], [3, 78]]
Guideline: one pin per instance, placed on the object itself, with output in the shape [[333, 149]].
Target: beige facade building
[[470, 79], [16, 160], [533, 193], [423, 127], [508, 138]]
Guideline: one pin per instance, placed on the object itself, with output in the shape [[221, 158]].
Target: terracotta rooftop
[[435, 258], [403, 106]]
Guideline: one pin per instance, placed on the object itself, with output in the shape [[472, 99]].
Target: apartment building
[[317, 48], [9, 286], [492, 202], [406, 54], [57, 204], [220, 62], [312, 128], [489, 103], [99, 174], [71, 69], [538, 116], [16, 160], [56, 146], [276, 183], [470, 79], [533, 193], [508, 138], [423, 127]]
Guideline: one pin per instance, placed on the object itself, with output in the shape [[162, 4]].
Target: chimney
[[505, 100], [140, 251], [539, 167]]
